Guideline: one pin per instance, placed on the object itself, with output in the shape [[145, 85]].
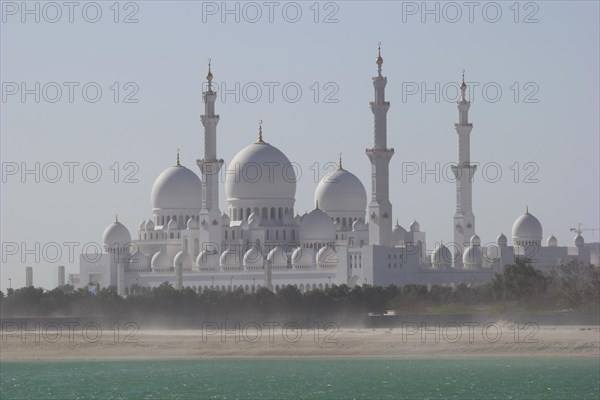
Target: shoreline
[[476, 342]]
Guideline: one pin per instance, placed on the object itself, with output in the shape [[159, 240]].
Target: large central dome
[[260, 171], [177, 188]]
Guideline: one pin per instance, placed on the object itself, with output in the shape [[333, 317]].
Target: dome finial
[[340, 163], [177, 163], [116, 218], [317, 205], [463, 85], [397, 224], [209, 75], [260, 138], [526, 210], [379, 60]]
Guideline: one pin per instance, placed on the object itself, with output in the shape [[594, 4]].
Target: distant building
[[348, 238]]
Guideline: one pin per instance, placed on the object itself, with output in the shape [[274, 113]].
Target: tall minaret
[[380, 208], [210, 215], [464, 219]]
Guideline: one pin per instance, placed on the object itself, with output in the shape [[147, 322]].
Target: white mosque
[[259, 241]]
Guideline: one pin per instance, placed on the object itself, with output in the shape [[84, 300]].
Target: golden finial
[[379, 60], [209, 75], [463, 85], [177, 163], [340, 163], [317, 205], [260, 139]]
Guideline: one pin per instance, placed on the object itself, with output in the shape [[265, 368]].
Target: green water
[[305, 378]]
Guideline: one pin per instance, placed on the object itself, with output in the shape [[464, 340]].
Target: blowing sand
[[254, 341]]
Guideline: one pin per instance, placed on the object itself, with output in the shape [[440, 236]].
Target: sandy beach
[[500, 339]]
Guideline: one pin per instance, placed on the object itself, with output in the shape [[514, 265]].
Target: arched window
[[267, 234], [248, 212], [232, 235], [196, 247], [272, 212], [276, 234], [226, 234], [265, 213], [293, 234], [344, 221], [280, 213], [172, 235], [284, 234], [235, 214]]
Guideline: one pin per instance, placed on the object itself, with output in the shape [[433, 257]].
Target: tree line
[[574, 287]]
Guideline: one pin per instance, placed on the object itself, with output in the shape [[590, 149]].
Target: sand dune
[[253, 341]]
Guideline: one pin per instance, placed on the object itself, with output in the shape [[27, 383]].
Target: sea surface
[[521, 378]]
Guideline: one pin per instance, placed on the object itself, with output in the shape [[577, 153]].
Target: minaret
[[380, 208], [464, 219], [210, 215]]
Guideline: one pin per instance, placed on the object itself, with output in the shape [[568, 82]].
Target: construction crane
[[579, 230]]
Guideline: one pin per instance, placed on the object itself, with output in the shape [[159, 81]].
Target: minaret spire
[[210, 166], [340, 163], [464, 219], [380, 208]]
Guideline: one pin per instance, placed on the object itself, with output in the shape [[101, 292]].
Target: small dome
[[475, 240], [143, 225], [260, 171], [183, 259], [225, 220], [317, 226], [253, 258], [139, 262], [552, 241], [254, 221], [327, 256], [415, 227], [398, 235], [161, 261], [357, 225], [277, 257], [230, 258], [441, 256], [208, 258], [527, 228], [578, 241], [177, 188], [473, 257], [501, 240], [298, 218], [303, 258], [341, 191], [116, 234], [172, 225], [193, 223], [150, 225]]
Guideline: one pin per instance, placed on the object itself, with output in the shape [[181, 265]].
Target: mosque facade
[[260, 241]]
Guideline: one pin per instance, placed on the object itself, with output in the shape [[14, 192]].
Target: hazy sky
[[532, 67]]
